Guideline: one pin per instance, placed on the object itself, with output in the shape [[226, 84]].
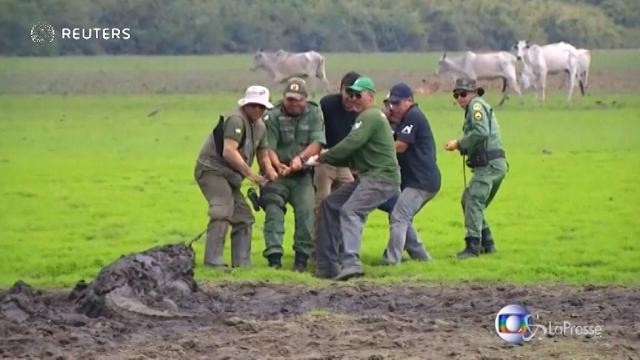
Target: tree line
[[230, 26]]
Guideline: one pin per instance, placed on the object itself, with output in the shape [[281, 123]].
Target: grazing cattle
[[489, 66], [584, 62], [540, 61], [282, 65]]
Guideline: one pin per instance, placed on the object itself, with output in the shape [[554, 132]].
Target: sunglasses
[[459, 94], [353, 94]]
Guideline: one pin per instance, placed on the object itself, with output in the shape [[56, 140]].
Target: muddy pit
[[147, 306]]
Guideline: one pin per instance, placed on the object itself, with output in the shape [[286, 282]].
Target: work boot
[[325, 271], [300, 262], [350, 272], [488, 246], [473, 248], [275, 260]]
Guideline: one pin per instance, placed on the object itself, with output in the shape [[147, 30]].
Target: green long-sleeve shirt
[[480, 126], [368, 148]]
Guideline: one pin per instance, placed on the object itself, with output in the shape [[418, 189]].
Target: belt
[[482, 158], [495, 154]]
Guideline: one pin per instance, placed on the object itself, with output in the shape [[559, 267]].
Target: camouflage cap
[[466, 84], [296, 88]]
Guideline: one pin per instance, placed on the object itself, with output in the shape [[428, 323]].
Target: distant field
[[85, 178], [612, 71]]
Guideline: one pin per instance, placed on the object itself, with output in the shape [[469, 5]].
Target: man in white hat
[[224, 161]]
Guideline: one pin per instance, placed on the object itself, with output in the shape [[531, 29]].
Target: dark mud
[[147, 306], [353, 321], [157, 282]]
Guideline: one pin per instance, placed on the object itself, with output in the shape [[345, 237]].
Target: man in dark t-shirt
[[416, 151], [338, 114]]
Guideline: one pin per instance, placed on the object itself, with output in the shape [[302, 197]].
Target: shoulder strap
[[218, 135]]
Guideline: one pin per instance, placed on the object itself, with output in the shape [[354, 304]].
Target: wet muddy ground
[[338, 321], [147, 306]]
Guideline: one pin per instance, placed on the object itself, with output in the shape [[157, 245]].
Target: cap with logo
[[400, 91], [296, 88], [256, 94], [363, 84]]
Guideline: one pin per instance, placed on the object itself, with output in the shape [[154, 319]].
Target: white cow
[[540, 61], [282, 65], [489, 66], [584, 62]]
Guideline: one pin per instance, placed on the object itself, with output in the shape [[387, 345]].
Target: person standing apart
[[486, 157]]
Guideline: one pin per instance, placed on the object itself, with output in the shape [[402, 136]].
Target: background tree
[[220, 26]]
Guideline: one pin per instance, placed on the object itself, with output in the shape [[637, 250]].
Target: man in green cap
[[486, 158], [369, 149], [295, 132], [224, 161]]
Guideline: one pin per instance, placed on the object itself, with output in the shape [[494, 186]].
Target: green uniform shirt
[[369, 148], [480, 128], [288, 135], [235, 127]]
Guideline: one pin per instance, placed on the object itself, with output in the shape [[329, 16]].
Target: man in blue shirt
[[416, 151]]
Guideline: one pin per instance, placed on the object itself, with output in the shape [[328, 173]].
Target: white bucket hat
[[256, 94]]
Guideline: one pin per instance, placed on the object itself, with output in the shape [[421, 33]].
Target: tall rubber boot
[[214, 246]]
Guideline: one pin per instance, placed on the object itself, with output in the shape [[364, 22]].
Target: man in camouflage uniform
[[486, 158], [224, 161], [295, 132]]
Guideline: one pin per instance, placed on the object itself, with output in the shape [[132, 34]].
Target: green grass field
[[85, 178]]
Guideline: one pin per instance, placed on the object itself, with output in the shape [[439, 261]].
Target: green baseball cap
[[363, 83]]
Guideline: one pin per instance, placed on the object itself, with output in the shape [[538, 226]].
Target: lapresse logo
[[43, 33], [513, 323]]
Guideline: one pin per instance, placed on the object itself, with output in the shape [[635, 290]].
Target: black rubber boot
[[472, 249], [275, 260], [300, 262], [488, 245]]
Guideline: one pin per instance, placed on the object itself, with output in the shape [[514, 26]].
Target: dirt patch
[[147, 305], [337, 321]]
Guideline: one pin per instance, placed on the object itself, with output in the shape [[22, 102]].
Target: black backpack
[[218, 136]]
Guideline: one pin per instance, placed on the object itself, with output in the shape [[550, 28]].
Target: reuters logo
[[42, 33]]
